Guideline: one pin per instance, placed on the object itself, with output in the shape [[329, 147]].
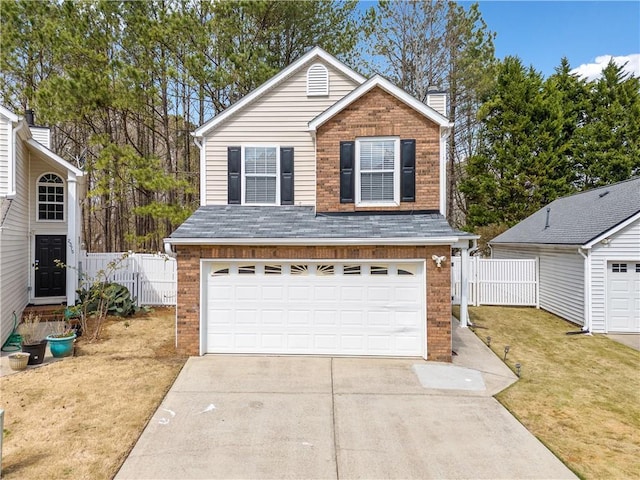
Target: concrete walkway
[[332, 418], [629, 339]]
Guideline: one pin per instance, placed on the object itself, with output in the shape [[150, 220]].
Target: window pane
[[377, 155], [376, 187], [260, 190]]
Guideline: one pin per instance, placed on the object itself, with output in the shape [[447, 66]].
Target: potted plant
[[18, 361], [33, 341], [61, 340]]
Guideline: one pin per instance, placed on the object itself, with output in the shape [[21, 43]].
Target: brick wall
[[377, 114], [438, 284]]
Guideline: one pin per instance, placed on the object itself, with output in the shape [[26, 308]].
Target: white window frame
[[396, 173], [244, 175], [40, 183]]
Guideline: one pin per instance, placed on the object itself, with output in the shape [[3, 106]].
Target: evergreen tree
[[520, 165], [607, 143]]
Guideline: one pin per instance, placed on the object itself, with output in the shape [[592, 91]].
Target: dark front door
[[51, 280]]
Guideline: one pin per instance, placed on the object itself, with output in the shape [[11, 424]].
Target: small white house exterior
[[588, 246], [40, 221]]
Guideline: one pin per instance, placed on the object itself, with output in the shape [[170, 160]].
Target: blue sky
[[588, 33], [542, 32]]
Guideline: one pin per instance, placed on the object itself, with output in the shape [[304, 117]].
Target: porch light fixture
[[518, 367], [506, 351], [438, 260]]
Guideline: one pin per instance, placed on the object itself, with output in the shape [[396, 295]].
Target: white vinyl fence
[[497, 282], [150, 278]]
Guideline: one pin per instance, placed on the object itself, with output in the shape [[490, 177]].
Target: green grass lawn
[[579, 394]]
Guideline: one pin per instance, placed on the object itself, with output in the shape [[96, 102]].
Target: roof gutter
[[587, 288], [537, 245], [313, 241]]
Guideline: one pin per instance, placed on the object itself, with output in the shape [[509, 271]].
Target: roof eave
[[449, 240], [52, 156], [378, 81], [534, 244], [275, 80], [612, 230]]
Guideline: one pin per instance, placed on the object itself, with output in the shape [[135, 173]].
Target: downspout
[[464, 282], [445, 131], [200, 143], [587, 289], [12, 159]]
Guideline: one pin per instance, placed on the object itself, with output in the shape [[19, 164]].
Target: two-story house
[[321, 226]]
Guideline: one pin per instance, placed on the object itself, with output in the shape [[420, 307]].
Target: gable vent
[[317, 80]]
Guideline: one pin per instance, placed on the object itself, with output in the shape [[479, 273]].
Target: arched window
[[317, 80], [50, 197]]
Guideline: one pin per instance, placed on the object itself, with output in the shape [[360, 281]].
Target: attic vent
[[317, 80]]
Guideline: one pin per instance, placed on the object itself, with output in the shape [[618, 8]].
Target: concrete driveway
[[330, 418]]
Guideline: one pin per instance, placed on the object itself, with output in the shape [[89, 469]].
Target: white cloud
[[591, 71]]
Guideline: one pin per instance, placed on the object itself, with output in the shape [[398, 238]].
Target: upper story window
[[317, 80], [378, 171], [50, 197], [261, 179]]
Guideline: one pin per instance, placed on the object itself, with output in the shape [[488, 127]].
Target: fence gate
[[497, 282], [150, 278]]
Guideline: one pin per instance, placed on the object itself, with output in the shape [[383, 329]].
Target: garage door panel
[[351, 318], [326, 318], [351, 293], [272, 292], [317, 309]]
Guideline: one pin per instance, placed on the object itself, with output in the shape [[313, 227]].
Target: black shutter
[[347, 172], [234, 161], [286, 176], [407, 170]]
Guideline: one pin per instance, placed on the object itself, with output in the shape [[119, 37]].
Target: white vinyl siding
[[438, 101], [280, 117], [561, 278], [624, 246], [378, 171], [5, 138], [14, 249]]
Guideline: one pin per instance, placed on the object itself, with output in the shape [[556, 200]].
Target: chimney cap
[[434, 89]]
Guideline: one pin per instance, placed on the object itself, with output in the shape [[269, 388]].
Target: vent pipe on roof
[[546, 223], [606, 192], [29, 117]]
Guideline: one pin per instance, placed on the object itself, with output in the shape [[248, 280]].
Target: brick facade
[[377, 113], [438, 284]]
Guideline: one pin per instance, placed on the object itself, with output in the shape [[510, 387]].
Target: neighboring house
[[40, 220], [589, 250], [321, 227]]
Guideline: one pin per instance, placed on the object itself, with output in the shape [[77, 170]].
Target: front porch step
[[47, 313]]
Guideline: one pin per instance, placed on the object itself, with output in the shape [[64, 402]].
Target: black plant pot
[[37, 351]]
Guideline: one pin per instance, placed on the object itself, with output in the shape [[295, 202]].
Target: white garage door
[[350, 308], [623, 297]]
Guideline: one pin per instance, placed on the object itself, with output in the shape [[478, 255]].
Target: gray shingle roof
[[579, 218], [288, 222]]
